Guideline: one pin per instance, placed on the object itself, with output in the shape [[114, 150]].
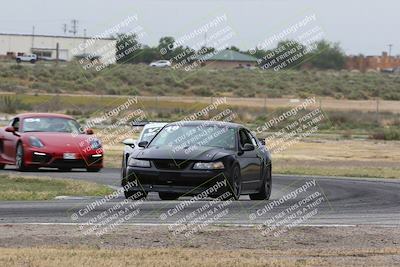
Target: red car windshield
[[43, 124]]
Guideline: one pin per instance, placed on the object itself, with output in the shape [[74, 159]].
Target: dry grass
[[353, 158], [343, 150], [186, 102], [64, 256], [55, 245], [44, 188]]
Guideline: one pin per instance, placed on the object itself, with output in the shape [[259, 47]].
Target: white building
[[45, 46]]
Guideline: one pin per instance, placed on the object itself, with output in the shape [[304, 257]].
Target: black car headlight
[[218, 165], [138, 163], [35, 142]]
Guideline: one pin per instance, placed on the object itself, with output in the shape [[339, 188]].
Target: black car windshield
[[49, 124], [196, 135], [149, 133]]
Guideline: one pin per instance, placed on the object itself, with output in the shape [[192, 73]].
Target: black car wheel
[[168, 196], [133, 195], [2, 166], [123, 167], [19, 158], [235, 183], [266, 187]]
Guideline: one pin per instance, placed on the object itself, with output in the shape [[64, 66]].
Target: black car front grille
[[171, 164], [41, 158]]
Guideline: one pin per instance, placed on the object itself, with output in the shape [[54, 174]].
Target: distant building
[[377, 63], [227, 59], [69, 47]]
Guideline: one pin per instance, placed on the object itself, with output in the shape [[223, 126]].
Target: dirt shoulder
[[234, 246]]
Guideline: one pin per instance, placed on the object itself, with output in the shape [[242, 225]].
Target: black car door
[[250, 162]]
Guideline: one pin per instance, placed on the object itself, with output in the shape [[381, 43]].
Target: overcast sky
[[366, 26]]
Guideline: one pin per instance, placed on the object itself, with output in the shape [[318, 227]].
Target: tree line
[[287, 54]]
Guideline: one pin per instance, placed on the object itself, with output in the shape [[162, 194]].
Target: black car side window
[[244, 138], [253, 139]]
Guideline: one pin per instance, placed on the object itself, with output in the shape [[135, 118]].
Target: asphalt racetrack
[[323, 201]]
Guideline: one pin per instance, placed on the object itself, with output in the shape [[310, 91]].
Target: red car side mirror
[[89, 131], [10, 129]]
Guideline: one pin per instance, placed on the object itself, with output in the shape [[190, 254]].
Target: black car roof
[[200, 122]]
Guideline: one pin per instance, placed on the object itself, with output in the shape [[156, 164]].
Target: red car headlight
[[35, 142]]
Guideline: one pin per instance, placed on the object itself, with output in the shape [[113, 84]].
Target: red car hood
[[63, 141]]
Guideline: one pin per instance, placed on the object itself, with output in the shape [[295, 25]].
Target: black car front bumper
[[187, 181]]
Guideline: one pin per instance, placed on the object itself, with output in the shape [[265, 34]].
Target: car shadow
[[45, 170]]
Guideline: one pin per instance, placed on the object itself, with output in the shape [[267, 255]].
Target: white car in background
[[148, 132], [27, 58], [161, 64]]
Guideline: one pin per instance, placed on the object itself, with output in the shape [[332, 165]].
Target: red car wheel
[[19, 158]]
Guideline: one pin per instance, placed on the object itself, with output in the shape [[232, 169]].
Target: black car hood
[[189, 153]]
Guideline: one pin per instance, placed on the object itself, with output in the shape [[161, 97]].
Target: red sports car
[[38, 140]]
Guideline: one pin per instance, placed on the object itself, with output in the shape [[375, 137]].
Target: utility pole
[[390, 49], [377, 110], [74, 26], [33, 39], [57, 53], [84, 35], [65, 28]]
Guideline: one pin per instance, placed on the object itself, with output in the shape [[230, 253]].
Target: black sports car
[[188, 158]]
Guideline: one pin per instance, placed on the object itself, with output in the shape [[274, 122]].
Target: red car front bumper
[[43, 158]]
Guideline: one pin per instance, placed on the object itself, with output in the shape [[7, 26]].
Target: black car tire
[[234, 185], [123, 167], [129, 194], [19, 158], [2, 166], [265, 192], [18, 60], [168, 196], [93, 169]]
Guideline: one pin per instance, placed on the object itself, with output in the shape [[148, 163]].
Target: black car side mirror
[[143, 144], [248, 147], [130, 142]]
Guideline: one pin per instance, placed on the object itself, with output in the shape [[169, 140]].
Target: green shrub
[[11, 104], [387, 134], [240, 83]]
